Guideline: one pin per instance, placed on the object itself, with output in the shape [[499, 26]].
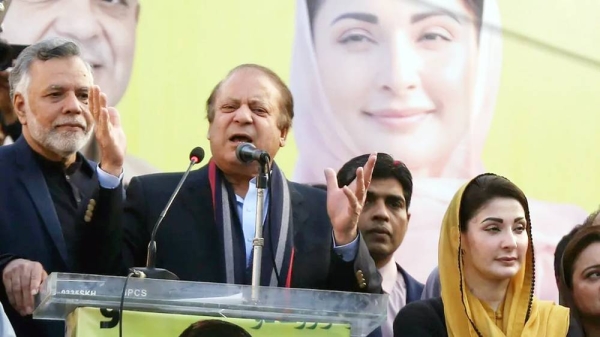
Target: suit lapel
[[299, 219], [196, 198], [32, 178], [413, 288], [299, 213]]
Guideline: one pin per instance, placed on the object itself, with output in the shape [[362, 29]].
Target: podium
[[66, 296]]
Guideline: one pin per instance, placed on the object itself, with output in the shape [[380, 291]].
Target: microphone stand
[[150, 271], [259, 242]]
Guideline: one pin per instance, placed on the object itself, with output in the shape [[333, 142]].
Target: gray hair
[[44, 50]]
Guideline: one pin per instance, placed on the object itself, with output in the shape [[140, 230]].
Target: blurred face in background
[[105, 30], [586, 282]]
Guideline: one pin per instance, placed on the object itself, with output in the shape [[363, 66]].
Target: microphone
[[247, 153], [150, 271]]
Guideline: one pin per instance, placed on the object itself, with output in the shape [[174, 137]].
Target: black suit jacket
[[190, 246], [30, 229]]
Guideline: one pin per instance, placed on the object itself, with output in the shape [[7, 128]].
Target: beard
[[63, 143]]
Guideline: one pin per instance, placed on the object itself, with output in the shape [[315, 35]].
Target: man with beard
[[383, 223], [54, 203], [106, 34]]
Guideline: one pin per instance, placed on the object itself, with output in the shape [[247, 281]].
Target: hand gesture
[[22, 279], [345, 204], [109, 133]]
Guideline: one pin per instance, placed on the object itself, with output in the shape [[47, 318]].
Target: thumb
[[331, 179]]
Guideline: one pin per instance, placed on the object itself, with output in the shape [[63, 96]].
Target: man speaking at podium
[[310, 237]]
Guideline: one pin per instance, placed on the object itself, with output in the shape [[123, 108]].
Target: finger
[[352, 199], [94, 103], [331, 180], [103, 99], [27, 305], [115, 118], [105, 118], [38, 275], [8, 285], [359, 189], [368, 169], [16, 291]]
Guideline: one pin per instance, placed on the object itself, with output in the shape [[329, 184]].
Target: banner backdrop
[[93, 322], [451, 87]]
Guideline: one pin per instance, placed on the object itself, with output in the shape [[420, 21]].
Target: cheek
[[447, 81], [33, 16], [121, 38], [400, 225], [215, 131], [584, 296], [522, 245], [347, 78]]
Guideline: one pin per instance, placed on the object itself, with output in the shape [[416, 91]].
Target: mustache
[[71, 120]]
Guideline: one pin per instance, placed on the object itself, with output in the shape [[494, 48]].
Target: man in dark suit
[[310, 237], [383, 223], [54, 204]]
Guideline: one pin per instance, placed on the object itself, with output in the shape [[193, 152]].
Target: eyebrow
[[372, 18], [590, 267], [360, 16], [62, 87], [437, 12], [500, 220], [386, 195]]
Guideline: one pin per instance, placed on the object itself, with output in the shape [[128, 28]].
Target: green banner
[[93, 322]]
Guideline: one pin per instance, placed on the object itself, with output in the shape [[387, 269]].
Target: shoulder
[[421, 318], [6, 151], [307, 190], [311, 195], [156, 181]]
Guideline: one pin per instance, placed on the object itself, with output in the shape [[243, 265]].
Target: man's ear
[[283, 137], [19, 105]]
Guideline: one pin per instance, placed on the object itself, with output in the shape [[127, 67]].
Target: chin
[[504, 273]]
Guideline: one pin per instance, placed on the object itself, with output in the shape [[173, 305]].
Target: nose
[[400, 70], [380, 211], [77, 20], [509, 241], [72, 104], [243, 115]]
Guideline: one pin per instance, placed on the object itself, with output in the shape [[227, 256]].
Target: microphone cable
[[122, 301]]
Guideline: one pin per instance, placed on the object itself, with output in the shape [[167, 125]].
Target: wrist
[[344, 237], [112, 169]]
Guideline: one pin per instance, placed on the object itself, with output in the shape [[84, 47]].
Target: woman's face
[[496, 240], [586, 281], [399, 74]]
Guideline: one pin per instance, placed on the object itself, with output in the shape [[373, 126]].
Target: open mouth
[[240, 138]]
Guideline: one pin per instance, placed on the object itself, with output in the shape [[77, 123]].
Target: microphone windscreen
[[197, 154]]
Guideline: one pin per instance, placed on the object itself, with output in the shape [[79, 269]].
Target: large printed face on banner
[[104, 29], [416, 79], [398, 74]]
